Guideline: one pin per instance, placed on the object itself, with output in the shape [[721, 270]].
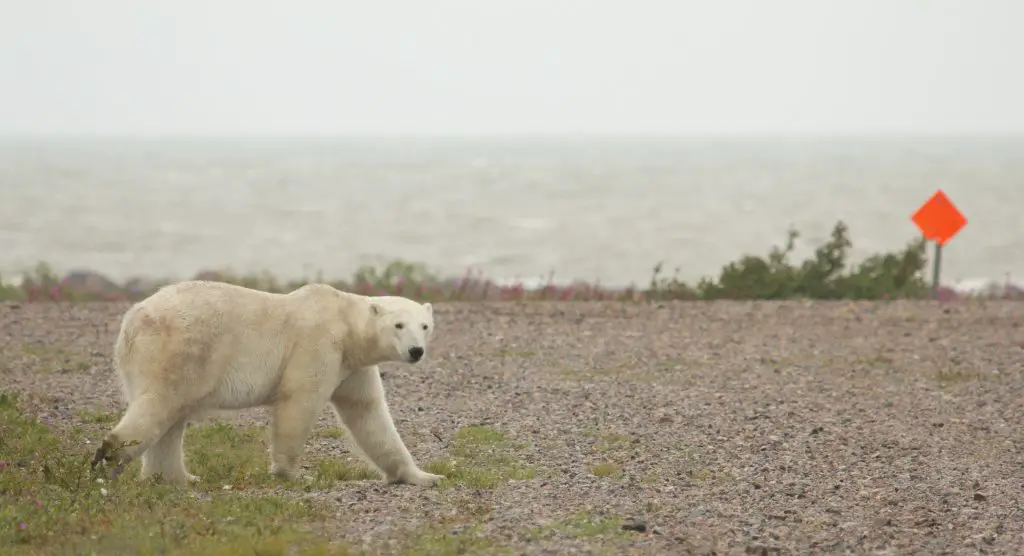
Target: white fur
[[196, 347]]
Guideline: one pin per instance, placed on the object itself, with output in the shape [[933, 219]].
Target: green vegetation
[[824, 276], [466, 538], [329, 432], [827, 274], [330, 471], [52, 503], [481, 457], [951, 377], [582, 525], [607, 469], [45, 358], [439, 541]]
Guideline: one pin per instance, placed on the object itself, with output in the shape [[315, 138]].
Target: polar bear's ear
[[429, 308], [376, 310]]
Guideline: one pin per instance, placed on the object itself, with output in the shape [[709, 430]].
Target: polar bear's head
[[404, 327]]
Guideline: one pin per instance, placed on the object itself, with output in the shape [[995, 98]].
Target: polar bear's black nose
[[416, 353]]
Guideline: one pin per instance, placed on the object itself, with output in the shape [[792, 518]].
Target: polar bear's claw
[[417, 477]]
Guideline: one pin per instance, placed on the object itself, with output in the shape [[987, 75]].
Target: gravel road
[[724, 427]]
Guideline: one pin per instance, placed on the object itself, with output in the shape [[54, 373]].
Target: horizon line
[[691, 136]]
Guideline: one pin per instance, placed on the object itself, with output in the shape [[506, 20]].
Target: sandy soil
[[739, 427]]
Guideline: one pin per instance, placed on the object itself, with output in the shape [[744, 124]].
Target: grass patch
[[76, 365], [99, 417], [951, 378], [39, 351], [482, 457], [607, 469], [611, 447], [709, 476], [225, 454], [700, 474], [516, 353], [616, 372], [49, 359], [877, 361], [582, 525], [53, 504], [696, 469], [440, 541], [329, 432], [330, 471], [612, 441], [607, 441], [449, 539]]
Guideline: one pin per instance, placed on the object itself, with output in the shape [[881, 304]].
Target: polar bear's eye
[[425, 327], [399, 325]]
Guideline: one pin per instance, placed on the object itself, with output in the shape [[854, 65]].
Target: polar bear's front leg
[[361, 405], [293, 421], [307, 384]]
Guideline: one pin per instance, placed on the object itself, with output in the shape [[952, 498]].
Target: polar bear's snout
[[415, 353]]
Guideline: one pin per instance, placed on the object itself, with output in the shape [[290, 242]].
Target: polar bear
[[198, 346]]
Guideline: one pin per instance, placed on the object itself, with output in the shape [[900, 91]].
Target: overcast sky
[[194, 67]]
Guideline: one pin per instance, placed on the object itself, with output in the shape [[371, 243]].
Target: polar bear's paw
[[415, 477]]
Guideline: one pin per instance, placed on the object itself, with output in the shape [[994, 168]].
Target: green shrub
[[825, 275]]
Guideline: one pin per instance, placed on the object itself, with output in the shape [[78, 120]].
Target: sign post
[[935, 270], [939, 220]]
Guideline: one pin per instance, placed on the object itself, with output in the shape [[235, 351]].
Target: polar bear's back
[[196, 309], [200, 335]]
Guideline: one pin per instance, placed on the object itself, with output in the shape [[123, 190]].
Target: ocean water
[[595, 209]]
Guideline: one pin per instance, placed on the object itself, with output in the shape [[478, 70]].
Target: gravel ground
[[739, 427]]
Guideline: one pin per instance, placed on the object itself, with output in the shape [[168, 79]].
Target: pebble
[[839, 415]]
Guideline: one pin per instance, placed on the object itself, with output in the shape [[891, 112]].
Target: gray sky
[[191, 67]]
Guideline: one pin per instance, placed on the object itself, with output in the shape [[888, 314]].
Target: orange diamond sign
[[938, 219]]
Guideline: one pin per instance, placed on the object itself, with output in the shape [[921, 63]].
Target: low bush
[[827, 274]]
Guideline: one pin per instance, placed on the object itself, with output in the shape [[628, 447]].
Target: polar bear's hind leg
[[167, 457], [148, 418]]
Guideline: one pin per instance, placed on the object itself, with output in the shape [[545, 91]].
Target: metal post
[[935, 270]]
